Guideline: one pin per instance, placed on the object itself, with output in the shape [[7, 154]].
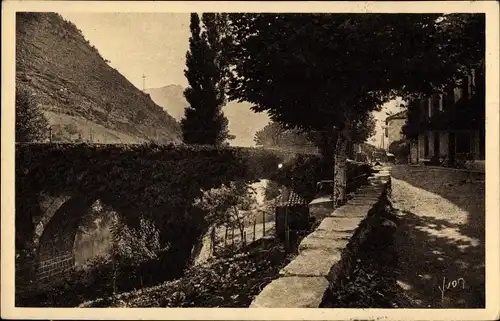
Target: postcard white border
[[492, 310]]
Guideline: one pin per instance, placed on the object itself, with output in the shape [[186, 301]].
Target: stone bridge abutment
[[54, 234]]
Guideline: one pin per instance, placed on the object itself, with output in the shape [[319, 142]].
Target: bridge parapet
[[57, 183]]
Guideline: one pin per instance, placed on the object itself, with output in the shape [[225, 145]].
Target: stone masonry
[[305, 280]]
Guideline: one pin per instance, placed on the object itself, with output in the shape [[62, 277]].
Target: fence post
[[225, 237], [263, 223], [213, 240], [254, 224], [287, 236]]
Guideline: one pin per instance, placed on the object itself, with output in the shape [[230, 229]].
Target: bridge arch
[[55, 253]]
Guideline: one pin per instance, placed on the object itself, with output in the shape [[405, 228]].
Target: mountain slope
[[76, 87], [243, 122], [171, 98]]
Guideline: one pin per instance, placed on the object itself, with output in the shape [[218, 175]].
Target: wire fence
[[258, 226]]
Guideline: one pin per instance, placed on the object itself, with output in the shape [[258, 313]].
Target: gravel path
[[440, 242]]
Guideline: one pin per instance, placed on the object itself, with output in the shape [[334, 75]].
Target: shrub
[[31, 124], [71, 129]]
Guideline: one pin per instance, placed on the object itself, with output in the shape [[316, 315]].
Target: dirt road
[[441, 236]]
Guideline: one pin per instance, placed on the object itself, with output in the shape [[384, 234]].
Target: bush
[[400, 149], [148, 180], [71, 129], [232, 280], [31, 124]]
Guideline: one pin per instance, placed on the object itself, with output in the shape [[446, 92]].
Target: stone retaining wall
[[325, 255]]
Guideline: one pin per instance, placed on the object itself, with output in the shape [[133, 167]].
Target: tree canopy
[[274, 134], [316, 71], [204, 122]]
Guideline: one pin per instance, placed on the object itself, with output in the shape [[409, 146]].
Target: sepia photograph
[[246, 159]]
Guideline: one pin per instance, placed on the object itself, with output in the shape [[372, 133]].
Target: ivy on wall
[[151, 181], [148, 180]]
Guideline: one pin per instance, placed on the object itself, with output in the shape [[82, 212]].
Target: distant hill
[[81, 95], [171, 98], [243, 122]]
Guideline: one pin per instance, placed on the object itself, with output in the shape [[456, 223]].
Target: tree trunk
[[328, 142], [114, 276], [242, 231], [340, 176], [254, 225]]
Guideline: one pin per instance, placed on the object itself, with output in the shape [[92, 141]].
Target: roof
[[294, 199], [400, 115]]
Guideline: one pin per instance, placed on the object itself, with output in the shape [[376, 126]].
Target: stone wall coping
[[305, 280], [292, 292]]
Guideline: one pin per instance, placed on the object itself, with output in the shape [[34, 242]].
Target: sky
[[155, 44]]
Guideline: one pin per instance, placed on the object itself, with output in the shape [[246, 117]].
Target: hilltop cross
[[143, 82]]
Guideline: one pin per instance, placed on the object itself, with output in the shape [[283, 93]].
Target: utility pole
[[143, 82]]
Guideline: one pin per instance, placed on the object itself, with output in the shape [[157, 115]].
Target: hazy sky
[[154, 44], [151, 43]]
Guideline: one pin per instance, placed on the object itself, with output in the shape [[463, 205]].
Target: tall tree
[[363, 128], [31, 124], [274, 134], [321, 72], [204, 122]]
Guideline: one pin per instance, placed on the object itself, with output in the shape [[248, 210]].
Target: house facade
[[451, 126], [393, 128]]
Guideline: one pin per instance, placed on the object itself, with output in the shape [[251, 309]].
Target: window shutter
[[435, 101], [473, 81], [466, 87], [450, 96]]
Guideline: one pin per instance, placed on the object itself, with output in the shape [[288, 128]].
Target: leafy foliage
[[324, 70], [414, 120], [137, 181], [31, 124], [228, 205], [204, 122], [228, 281], [134, 246], [363, 127], [400, 149], [274, 134]]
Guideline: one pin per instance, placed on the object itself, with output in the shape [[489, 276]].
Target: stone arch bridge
[[56, 184]]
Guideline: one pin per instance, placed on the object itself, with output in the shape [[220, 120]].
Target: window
[[466, 90], [446, 101], [435, 104], [426, 146], [448, 98], [423, 110], [463, 142], [473, 81], [457, 91]]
